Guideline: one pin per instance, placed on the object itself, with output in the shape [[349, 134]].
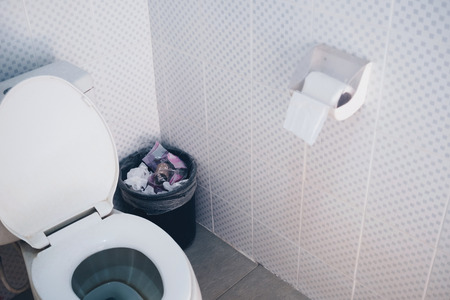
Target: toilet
[[59, 171]]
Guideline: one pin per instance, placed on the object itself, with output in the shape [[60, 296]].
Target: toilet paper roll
[[324, 88], [305, 117]]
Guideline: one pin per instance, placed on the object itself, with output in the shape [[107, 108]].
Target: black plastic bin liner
[[173, 211]]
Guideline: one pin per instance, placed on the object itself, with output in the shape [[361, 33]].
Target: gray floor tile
[[216, 264], [262, 285]]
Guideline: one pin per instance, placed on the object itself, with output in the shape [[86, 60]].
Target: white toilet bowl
[[58, 176], [130, 250]]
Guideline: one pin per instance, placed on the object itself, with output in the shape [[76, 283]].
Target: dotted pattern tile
[[229, 106], [279, 32], [376, 12], [277, 187], [127, 90], [408, 188], [270, 141], [165, 122], [423, 19], [231, 180], [364, 293], [339, 160], [194, 141], [336, 240], [415, 93], [181, 25], [121, 23], [318, 280], [444, 240], [392, 263], [232, 225], [227, 34], [17, 49], [155, 26], [61, 35], [184, 87], [275, 252], [439, 284], [203, 207]]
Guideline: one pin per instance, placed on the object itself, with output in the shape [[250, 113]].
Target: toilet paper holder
[[352, 70]]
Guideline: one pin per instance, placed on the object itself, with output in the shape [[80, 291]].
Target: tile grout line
[[380, 93], [241, 279], [251, 132], [435, 250]]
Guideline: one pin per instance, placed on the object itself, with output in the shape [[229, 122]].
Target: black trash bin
[[173, 211]]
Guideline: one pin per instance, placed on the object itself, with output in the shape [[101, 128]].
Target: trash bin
[[173, 211]]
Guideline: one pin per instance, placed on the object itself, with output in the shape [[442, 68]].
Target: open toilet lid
[[57, 158]]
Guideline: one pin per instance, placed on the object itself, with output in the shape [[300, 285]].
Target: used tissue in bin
[[137, 177], [166, 167]]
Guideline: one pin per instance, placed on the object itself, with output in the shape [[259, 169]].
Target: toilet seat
[[58, 158], [52, 269]]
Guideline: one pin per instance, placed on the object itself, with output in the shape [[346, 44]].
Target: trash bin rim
[[192, 171]]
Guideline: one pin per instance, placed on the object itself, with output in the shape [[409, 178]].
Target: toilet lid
[[57, 157]]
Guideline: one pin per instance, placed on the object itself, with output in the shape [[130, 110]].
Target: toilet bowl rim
[[169, 259]]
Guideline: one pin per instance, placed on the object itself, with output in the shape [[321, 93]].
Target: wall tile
[[364, 293], [126, 91], [376, 12], [392, 263], [339, 161], [229, 106], [120, 24], [415, 93], [277, 187], [203, 207], [184, 87], [444, 239], [281, 32], [155, 25], [439, 283], [408, 188], [63, 36], [159, 61], [356, 37], [227, 34], [232, 225], [194, 141], [424, 19], [181, 24], [17, 50], [230, 169], [270, 141], [330, 229], [275, 252], [317, 280]]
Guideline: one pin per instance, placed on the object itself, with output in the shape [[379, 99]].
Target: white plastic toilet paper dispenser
[[326, 82]]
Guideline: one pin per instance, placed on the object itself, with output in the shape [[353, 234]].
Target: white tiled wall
[[362, 213]]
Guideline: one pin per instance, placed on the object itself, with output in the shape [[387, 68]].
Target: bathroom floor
[[225, 274]]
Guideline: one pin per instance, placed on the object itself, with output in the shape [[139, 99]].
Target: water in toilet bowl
[[117, 274], [113, 291]]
